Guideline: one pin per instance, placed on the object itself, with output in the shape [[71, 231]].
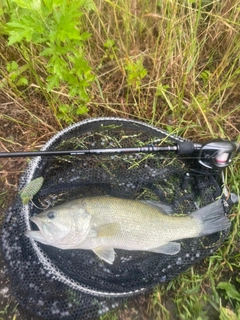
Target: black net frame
[[76, 284]]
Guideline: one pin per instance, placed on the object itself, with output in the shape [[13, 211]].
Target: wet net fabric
[[76, 284]]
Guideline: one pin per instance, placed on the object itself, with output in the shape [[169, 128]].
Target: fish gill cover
[[76, 284]]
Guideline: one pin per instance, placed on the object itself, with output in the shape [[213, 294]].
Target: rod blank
[[185, 147]]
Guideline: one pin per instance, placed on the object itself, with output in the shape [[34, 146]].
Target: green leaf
[[84, 36], [23, 4], [230, 290], [64, 108], [52, 82], [227, 314], [109, 44], [17, 36], [22, 81], [15, 25], [89, 5], [12, 66], [161, 89], [82, 110], [47, 51]]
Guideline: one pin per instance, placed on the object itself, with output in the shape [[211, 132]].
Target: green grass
[[174, 64]]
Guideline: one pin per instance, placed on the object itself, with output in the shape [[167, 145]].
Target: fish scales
[[141, 224]]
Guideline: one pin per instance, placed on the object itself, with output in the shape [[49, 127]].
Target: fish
[[105, 223]]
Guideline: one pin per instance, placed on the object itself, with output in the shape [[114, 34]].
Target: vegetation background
[[172, 63]]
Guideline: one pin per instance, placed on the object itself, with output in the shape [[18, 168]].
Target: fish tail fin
[[212, 218]]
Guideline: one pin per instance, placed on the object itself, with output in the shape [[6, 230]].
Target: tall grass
[[190, 51], [172, 63]]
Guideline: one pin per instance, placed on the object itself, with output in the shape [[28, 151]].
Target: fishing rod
[[217, 153]]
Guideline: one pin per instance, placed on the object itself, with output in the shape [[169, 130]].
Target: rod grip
[[185, 147]]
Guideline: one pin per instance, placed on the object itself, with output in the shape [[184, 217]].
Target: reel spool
[[76, 284]]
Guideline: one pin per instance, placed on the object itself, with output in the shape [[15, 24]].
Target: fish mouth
[[38, 223], [36, 235], [43, 235], [46, 230]]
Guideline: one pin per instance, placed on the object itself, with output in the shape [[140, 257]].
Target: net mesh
[[76, 284]]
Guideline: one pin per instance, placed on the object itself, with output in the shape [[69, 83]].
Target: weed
[[15, 73], [232, 295], [230, 290], [52, 31], [135, 73]]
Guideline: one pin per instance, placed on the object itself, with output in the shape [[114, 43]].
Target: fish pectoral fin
[[107, 230], [105, 253], [170, 248]]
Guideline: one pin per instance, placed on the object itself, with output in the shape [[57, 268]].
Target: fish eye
[[51, 214]]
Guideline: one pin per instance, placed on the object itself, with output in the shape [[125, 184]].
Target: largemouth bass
[[103, 223]]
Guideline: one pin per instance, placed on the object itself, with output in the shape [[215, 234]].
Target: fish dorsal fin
[[105, 253], [107, 230], [170, 248], [164, 208]]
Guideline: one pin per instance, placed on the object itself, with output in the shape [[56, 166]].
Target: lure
[[31, 189]]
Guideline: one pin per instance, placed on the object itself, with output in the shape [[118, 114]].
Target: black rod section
[[84, 152], [185, 147]]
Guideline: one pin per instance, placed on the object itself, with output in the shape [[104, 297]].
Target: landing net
[[76, 284]]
